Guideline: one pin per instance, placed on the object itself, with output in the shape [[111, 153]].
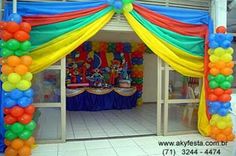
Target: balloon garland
[[220, 81], [121, 6], [16, 78]]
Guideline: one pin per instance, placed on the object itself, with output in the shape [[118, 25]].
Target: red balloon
[[25, 27], [225, 98], [5, 35], [2, 25], [6, 111], [12, 27], [21, 36], [17, 111], [30, 109], [228, 91], [8, 119], [221, 29], [25, 118], [212, 97], [218, 91]]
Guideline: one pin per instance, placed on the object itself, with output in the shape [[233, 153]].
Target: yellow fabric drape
[[203, 122], [58, 48], [178, 60], [188, 66]]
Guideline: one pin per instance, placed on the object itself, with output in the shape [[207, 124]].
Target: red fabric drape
[[49, 19], [171, 24]]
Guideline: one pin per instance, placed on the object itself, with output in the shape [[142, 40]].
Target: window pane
[[48, 124], [181, 87], [47, 86], [182, 117]]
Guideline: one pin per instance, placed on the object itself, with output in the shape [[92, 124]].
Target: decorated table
[[96, 99]]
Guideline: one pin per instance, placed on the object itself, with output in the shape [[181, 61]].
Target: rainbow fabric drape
[[177, 36]]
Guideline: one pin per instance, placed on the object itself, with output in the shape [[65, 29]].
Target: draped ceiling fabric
[[178, 36]]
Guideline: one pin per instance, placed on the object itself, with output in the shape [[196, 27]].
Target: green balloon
[[213, 84], [225, 85], [6, 52], [220, 78], [7, 127], [13, 44], [230, 78], [3, 44], [21, 53], [118, 11], [9, 135], [17, 128], [26, 134], [25, 46], [30, 126], [211, 77], [127, 1]]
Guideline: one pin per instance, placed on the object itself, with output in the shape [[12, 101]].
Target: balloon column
[[137, 72], [121, 5], [16, 78], [220, 80]]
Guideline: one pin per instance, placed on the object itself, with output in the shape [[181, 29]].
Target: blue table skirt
[[91, 102]]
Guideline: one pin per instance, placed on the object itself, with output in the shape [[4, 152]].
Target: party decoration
[[17, 95], [220, 80], [121, 5]]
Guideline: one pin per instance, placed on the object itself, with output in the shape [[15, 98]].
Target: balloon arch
[[39, 36]]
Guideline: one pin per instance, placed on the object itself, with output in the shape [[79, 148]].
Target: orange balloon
[[214, 71], [10, 152], [30, 142], [17, 144], [21, 36], [211, 65], [221, 137], [220, 64], [5, 35], [17, 111], [227, 71], [212, 97], [12, 27], [228, 131], [13, 61], [221, 29], [230, 64], [26, 60], [6, 69], [230, 137], [21, 69], [25, 27], [218, 91], [24, 151], [215, 130], [7, 142]]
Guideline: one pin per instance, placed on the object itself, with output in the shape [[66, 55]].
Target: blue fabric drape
[[49, 8], [91, 102], [2, 131]]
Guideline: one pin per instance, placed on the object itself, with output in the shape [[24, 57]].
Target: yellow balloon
[[215, 117], [14, 78], [3, 78], [128, 7], [227, 118], [28, 76], [23, 85], [7, 86], [219, 52], [210, 51], [229, 50], [214, 58], [212, 122], [226, 57], [221, 125]]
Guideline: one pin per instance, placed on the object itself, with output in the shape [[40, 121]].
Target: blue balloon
[[229, 37], [223, 112], [6, 94], [212, 111], [15, 18], [226, 105], [24, 101], [213, 45], [29, 93], [226, 44], [219, 38], [216, 105], [8, 102], [16, 94], [211, 38], [118, 5]]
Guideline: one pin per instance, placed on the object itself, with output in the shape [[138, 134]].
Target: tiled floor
[[137, 146], [111, 123]]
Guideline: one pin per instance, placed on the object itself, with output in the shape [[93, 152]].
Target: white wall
[[150, 78]]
